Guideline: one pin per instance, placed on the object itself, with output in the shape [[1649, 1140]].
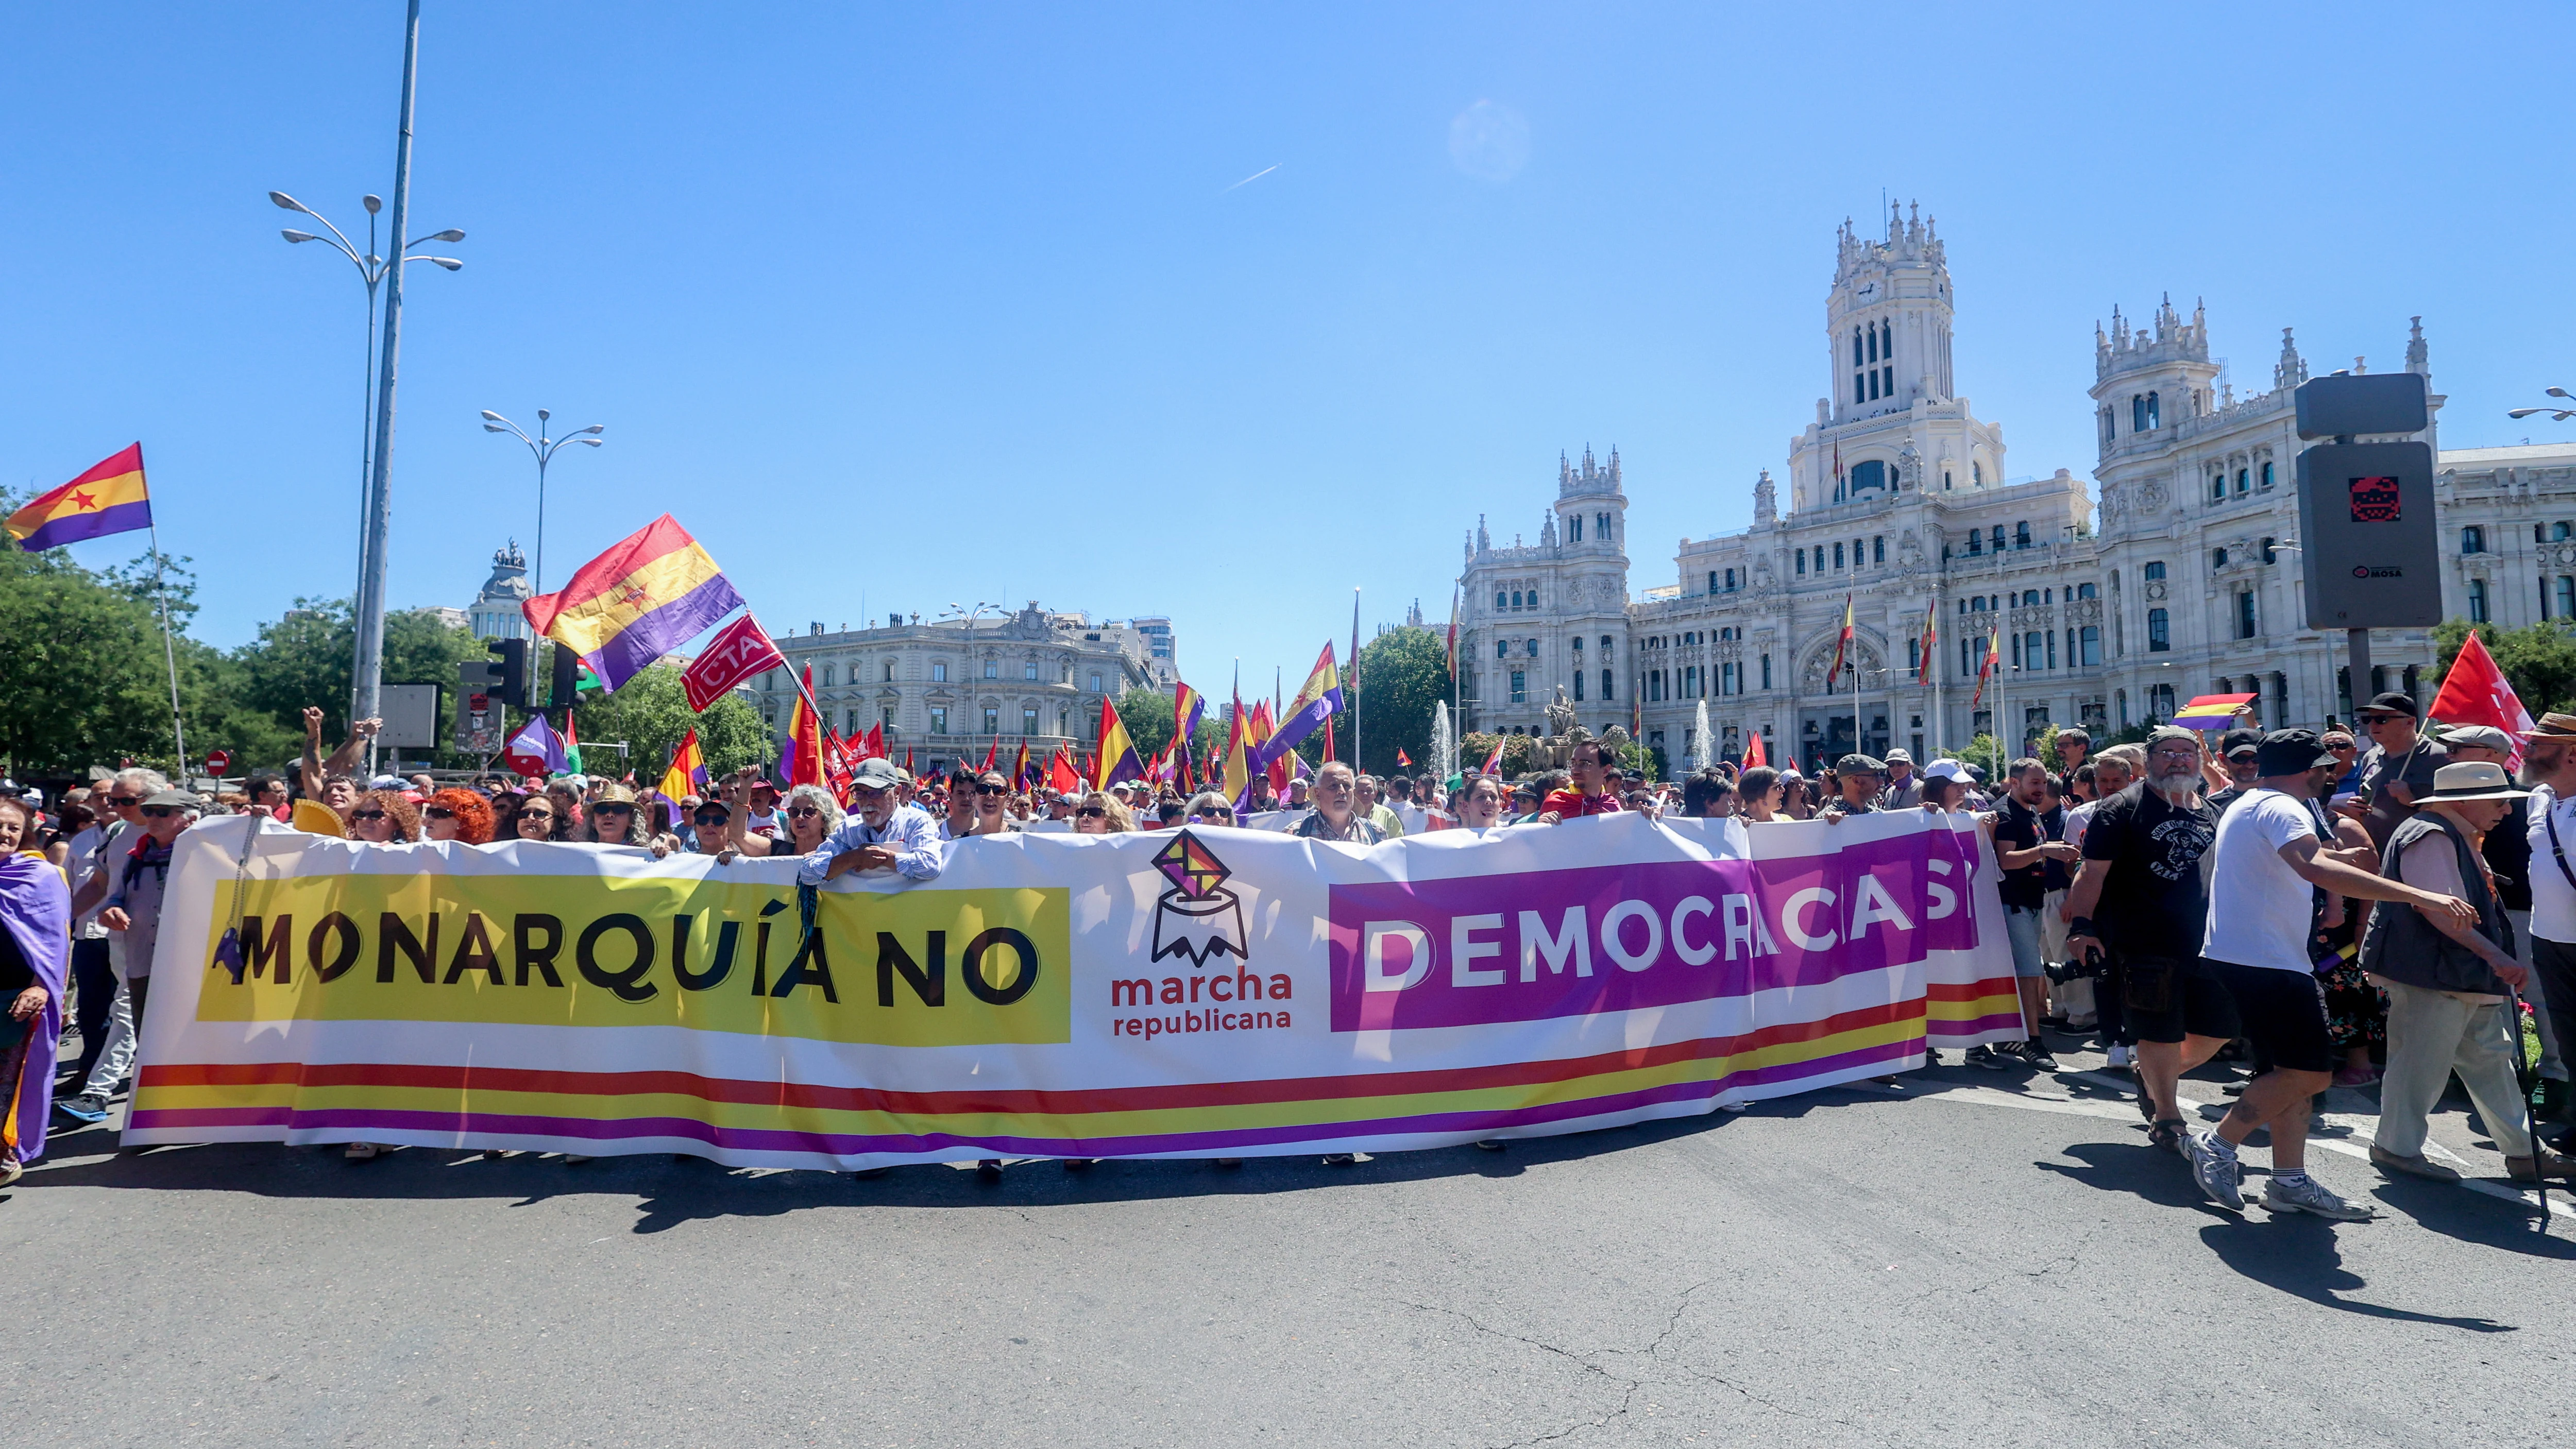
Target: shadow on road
[[672, 1190], [2298, 1255]]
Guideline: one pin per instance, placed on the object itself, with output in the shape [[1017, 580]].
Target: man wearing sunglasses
[[105, 1006], [881, 833], [138, 883]]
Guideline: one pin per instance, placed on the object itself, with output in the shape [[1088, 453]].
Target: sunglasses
[[1092, 812], [538, 815], [712, 819], [438, 812], [160, 812], [354, 814], [124, 800], [802, 812], [992, 789], [612, 809]]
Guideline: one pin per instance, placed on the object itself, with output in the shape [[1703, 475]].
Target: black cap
[[2393, 702], [2290, 752]]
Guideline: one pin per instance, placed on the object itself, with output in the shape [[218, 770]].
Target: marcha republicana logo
[[1198, 917]]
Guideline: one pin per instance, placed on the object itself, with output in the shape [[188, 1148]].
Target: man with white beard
[[2142, 896]]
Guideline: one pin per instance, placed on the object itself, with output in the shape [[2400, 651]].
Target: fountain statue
[[1444, 744], [1703, 750]]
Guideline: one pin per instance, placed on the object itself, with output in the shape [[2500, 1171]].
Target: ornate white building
[[1900, 503]]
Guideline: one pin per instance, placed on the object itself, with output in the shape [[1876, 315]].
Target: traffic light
[[566, 679], [510, 684]]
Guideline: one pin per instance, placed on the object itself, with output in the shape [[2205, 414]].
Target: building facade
[[1902, 512], [949, 689]]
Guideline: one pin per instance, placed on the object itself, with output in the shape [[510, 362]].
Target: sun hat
[[2471, 780]]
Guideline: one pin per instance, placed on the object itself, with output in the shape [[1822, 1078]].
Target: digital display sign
[[2375, 500]]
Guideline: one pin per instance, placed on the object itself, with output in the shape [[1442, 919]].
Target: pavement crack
[[1582, 1360]]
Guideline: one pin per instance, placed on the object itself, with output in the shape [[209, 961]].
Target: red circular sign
[[218, 761]]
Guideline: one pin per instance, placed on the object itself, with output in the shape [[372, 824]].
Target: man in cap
[[2448, 981], [1904, 786], [2236, 752], [2398, 768], [880, 833], [137, 884], [2549, 766], [1858, 779], [1060, 806], [2266, 855]]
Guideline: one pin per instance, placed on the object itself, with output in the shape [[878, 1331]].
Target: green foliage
[[1985, 753], [82, 678], [2539, 661], [650, 714], [1403, 677]]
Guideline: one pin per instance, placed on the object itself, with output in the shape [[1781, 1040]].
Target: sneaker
[[1932, 1056], [1339, 1159], [83, 1108], [2214, 1167], [2034, 1053], [2116, 1057], [1983, 1056], [2307, 1195]]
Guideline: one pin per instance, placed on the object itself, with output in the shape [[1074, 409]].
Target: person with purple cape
[[35, 951]]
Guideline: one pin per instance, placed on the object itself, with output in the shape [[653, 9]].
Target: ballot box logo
[[1197, 917]]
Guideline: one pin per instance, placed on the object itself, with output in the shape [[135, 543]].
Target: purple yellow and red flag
[[1317, 700], [687, 775], [2212, 711], [654, 591], [1116, 760], [109, 498]]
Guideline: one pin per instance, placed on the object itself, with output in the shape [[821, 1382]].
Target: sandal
[[2168, 1135]]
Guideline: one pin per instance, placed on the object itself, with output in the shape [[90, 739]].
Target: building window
[[2090, 639], [1802, 563], [2154, 570], [2160, 701], [2244, 613], [1914, 657], [938, 720], [2137, 412], [1574, 528], [2084, 591], [2477, 601], [2217, 559], [2159, 632], [1502, 649], [1766, 671], [992, 720], [2271, 550], [2473, 539], [2566, 597], [826, 681], [2218, 486], [1502, 601], [1095, 684], [1999, 538], [1976, 542], [1520, 687], [1878, 549], [992, 669], [1028, 719], [1531, 647], [1578, 684], [1838, 555], [2017, 652], [1976, 474], [2559, 531], [2021, 535], [2267, 477], [889, 671], [1601, 527], [1605, 684], [2244, 478], [2155, 411]]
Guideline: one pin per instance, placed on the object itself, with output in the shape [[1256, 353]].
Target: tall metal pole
[[1355, 681], [369, 654]]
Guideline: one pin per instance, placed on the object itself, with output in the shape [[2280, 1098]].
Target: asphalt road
[[1985, 1262]]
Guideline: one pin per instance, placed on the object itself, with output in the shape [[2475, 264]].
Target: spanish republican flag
[[633, 604], [1187, 706], [1237, 776], [1117, 752], [1318, 699], [687, 775], [107, 499]]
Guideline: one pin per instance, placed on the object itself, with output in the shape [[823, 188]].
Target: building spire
[[2419, 357]]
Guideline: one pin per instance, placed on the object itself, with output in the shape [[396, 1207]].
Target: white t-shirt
[[2258, 906], [2553, 900]]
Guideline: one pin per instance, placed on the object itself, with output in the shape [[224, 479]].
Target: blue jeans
[[2021, 925]]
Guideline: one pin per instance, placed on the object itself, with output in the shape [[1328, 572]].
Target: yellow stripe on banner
[[666, 580], [1093, 1125]]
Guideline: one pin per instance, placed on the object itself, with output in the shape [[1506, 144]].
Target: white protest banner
[[1199, 992]]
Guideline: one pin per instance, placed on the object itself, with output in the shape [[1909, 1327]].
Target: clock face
[[1867, 291]]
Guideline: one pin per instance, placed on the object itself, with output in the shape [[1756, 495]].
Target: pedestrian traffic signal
[[510, 683], [566, 680]]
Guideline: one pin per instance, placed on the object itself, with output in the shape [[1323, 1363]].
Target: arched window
[[2155, 412], [2137, 413], [2244, 480], [1601, 527], [2267, 477], [1838, 555], [1605, 648], [1976, 474], [1802, 563], [1878, 549], [2558, 531], [1999, 538], [1502, 649], [2021, 535], [1533, 648], [1712, 579], [1578, 646], [2154, 570], [826, 681], [2218, 486], [1976, 542], [1502, 600], [2159, 632], [2473, 539]]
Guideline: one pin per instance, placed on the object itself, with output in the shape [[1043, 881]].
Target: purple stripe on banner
[[72, 528], [833, 1144], [657, 631]]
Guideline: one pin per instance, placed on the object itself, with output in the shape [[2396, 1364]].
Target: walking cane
[[2522, 1073]]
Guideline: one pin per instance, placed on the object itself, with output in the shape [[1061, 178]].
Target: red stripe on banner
[[1106, 1099]]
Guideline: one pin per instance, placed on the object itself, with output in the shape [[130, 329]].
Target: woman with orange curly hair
[[454, 814]]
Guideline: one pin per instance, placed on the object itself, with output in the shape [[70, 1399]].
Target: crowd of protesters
[[2321, 915]]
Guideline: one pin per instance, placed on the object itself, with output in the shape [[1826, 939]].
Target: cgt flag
[[656, 590], [739, 650]]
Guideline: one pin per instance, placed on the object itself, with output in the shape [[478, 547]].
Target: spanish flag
[[1842, 646], [1931, 638], [804, 762], [636, 602], [1117, 752], [107, 499]]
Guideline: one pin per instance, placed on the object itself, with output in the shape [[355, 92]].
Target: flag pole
[[169, 656], [1356, 758]]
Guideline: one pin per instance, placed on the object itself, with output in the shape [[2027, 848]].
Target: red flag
[[2476, 692], [1842, 646], [1328, 739], [1020, 768], [804, 737], [1401, 759], [1931, 638], [1754, 754], [876, 746], [739, 650], [1061, 776], [907, 761], [992, 755]]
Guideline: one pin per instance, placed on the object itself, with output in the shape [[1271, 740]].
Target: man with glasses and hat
[[1904, 786], [2236, 756], [880, 833], [2549, 767], [2267, 853], [137, 884], [2399, 766], [2448, 982], [1860, 779]]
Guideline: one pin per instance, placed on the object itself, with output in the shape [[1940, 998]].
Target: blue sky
[[895, 306]]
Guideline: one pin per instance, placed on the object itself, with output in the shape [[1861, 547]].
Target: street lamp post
[[2556, 413], [368, 662], [544, 449]]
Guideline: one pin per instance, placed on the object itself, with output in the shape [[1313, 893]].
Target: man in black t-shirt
[[2024, 852], [2142, 894]]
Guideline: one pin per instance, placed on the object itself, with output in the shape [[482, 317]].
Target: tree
[[2539, 661], [82, 680], [1477, 748], [1403, 678], [650, 714]]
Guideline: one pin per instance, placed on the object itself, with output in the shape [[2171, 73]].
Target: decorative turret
[[1591, 506], [2419, 358], [1887, 321], [2173, 340], [2291, 370]]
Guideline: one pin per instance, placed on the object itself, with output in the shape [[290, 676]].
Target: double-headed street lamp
[[544, 449], [2558, 414]]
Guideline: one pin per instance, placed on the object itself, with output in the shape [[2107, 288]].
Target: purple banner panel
[[1536, 945]]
